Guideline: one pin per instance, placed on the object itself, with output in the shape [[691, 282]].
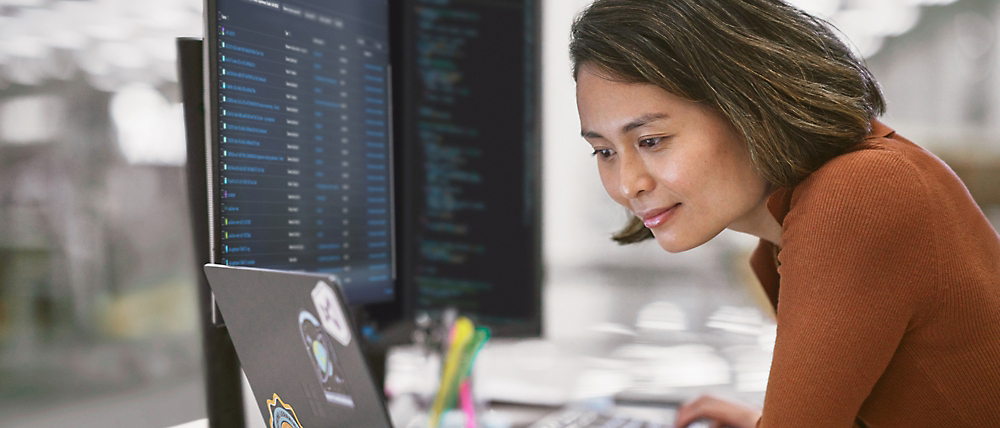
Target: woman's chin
[[671, 245], [674, 244]]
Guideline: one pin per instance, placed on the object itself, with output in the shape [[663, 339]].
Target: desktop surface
[[640, 340]]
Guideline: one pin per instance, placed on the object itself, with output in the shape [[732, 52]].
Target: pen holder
[[455, 390]]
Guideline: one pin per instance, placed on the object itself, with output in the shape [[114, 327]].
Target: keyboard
[[582, 418]]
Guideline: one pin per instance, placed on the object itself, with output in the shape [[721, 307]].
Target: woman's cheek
[[610, 182]]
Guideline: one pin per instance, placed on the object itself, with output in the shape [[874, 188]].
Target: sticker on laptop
[[324, 360], [282, 415], [330, 313]]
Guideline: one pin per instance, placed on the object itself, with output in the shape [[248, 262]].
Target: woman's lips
[[657, 217]]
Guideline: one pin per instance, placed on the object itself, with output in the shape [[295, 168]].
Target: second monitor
[[469, 121]]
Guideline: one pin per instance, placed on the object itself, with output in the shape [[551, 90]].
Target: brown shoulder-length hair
[[795, 92]]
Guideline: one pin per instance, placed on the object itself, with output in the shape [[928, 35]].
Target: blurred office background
[[98, 315]]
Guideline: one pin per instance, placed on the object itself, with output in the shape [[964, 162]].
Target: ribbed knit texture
[[887, 294]]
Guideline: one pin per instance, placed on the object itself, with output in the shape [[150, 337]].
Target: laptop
[[298, 348]]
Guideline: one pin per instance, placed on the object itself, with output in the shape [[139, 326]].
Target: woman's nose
[[635, 177]]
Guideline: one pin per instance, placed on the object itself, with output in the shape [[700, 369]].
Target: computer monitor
[[412, 125], [302, 97], [468, 116], [300, 140]]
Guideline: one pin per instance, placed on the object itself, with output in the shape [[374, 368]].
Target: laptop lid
[[298, 348]]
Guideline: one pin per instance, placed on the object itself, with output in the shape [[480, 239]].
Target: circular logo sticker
[[323, 357]]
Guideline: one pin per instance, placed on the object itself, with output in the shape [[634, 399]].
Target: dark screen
[[471, 179], [301, 115]]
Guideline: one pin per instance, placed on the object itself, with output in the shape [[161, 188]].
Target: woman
[[751, 115]]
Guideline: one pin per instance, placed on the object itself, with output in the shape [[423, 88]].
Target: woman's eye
[[649, 142], [603, 153]]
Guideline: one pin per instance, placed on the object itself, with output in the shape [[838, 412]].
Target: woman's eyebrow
[[643, 120], [635, 123]]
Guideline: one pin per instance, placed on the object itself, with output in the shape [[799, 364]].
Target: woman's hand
[[721, 413]]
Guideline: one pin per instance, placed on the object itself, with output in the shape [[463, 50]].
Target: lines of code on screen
[[471, 105], [304, 166]]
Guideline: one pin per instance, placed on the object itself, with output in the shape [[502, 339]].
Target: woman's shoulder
[[877, 159], [880, 174], [886, 183]]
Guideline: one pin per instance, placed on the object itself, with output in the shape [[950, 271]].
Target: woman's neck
[[760, 222]]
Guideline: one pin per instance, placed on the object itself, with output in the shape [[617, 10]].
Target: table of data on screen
[[304, 154]]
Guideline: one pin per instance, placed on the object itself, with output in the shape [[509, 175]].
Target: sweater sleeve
[[852, 279]]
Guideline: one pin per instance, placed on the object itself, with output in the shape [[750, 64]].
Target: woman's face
[[679, 166]]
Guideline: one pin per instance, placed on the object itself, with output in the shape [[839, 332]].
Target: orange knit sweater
[[887, 293]]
